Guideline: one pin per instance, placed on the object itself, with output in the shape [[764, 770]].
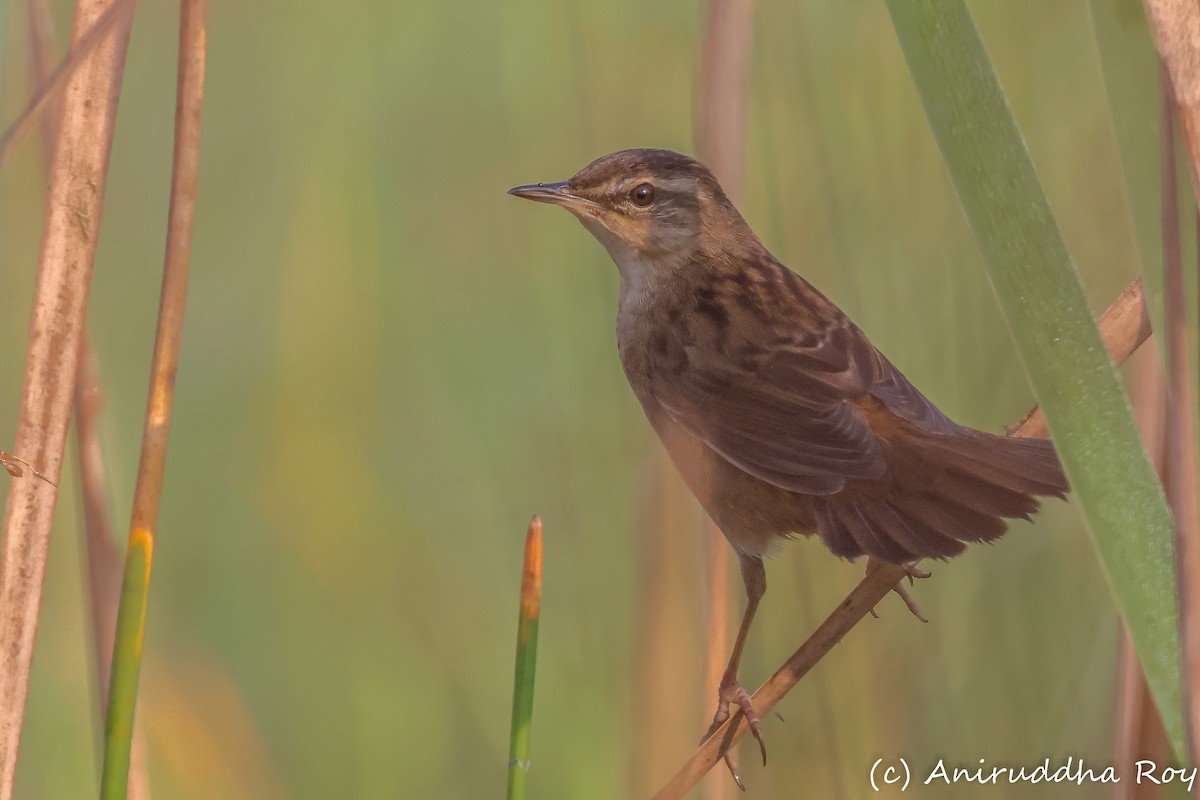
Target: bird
[[781, 416]]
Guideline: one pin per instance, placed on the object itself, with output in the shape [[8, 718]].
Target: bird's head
[[653, 210]]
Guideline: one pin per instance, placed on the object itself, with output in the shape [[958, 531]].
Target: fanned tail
[[941, 491]]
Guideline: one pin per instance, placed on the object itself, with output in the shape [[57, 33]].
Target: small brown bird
[[780, 414]]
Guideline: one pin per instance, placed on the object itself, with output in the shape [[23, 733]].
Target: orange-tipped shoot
[[523, 680]]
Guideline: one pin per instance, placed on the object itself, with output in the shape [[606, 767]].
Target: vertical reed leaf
[[1043, 302], [527, 632]]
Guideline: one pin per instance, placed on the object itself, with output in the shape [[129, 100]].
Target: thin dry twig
[[77, 179], [131, 614], [1180, 454], [865, 596]]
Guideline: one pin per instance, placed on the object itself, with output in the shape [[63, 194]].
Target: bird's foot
[[732, 693], [913, 571]]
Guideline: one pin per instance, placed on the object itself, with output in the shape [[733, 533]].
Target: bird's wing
[[905, 400], [781, 407]]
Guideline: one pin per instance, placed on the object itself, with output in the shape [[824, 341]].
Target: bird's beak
[[559, 194]]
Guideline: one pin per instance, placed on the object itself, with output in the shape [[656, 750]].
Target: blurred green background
[[389, 366]]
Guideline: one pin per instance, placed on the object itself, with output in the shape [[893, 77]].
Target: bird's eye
[[643, 195]]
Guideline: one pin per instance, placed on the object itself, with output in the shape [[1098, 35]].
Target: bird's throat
[[637, 276]]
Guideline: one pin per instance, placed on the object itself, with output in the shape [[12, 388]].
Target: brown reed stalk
[[1180, 422], [723, 94], [1175, 25], [1139, 731], [139, 558], [666, 640], [718, 556], [103, 17], [103, 560], [41, 39], [867, 594], [77, 179]]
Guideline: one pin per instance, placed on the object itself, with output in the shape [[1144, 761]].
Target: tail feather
[[871, 538], [1024, 465], [989, 498], [940, 492], [837, 537], [955, 520], [918, 538]]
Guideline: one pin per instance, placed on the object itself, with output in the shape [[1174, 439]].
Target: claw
[[909, 601], [916, 572], [912, 571], [733, 771], [733, 693]]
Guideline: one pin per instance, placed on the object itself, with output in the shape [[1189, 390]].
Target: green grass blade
[[1043, 302], [527, 632], [127, 661]]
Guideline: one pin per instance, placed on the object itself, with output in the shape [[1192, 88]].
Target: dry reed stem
[[720, 131], [41, 64], [103, 560], [111, 15], [716, 641], [75, 198], [669, 578], [724, 94], [1180, 453], [185, 169], [143, 524], [866, 595], [1139, 729], [1175, 25]]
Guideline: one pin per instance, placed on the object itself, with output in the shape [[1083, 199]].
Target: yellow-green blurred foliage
[[389, 365]]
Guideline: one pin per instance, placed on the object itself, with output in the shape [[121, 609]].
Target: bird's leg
[[730, 691], [913, 571]]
